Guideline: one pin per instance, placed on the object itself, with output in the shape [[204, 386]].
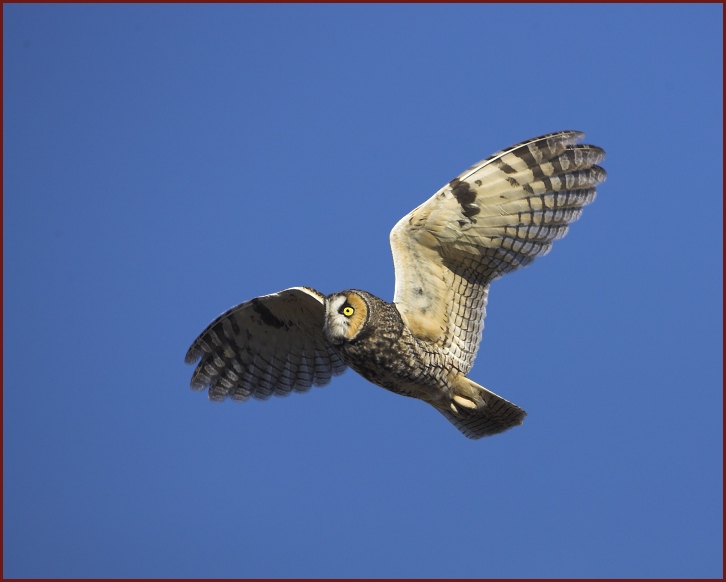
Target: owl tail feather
[[478, 412]]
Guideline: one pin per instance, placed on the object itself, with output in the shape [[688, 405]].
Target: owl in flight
[[494, 218]]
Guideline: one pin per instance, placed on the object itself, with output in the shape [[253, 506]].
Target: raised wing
[[272, 344], [494, 218]]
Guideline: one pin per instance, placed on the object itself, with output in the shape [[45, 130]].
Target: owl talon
[[465, 402]]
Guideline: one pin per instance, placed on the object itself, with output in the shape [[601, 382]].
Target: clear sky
[[163, 163]]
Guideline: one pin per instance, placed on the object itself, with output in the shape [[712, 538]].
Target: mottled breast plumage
[[378, 352]]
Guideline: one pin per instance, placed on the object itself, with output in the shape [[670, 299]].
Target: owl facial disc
[[345, 316]]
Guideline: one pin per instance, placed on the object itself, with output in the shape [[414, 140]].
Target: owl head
[[346, 316]]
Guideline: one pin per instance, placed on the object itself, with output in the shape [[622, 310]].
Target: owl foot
[[465, 402]]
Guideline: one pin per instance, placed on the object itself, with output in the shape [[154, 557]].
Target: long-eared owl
[[495, 217]]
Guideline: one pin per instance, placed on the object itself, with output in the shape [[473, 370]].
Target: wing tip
[[193, 354], [573, 135]]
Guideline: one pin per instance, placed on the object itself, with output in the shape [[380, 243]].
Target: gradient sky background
[[163, 163]]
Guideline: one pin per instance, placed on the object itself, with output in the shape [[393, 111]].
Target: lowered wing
[[272, 344]]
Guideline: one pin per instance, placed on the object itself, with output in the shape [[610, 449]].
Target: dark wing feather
[[272, 344]]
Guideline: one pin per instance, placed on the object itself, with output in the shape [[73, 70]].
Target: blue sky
[[163, 163]]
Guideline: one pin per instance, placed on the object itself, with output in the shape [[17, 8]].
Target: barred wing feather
[[272, 344], [497, 216]]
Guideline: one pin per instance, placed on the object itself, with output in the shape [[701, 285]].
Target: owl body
[[383, 350], [496, 217]]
